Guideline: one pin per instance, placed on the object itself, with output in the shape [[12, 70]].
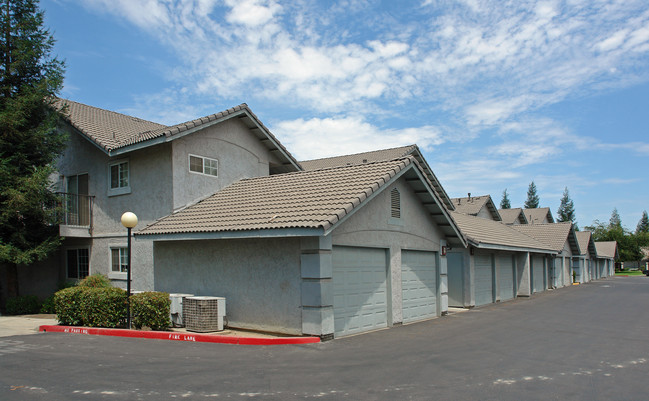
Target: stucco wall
[[260, 278], [240, 154], [485, 214]]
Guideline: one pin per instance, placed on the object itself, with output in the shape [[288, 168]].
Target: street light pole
[[129, 220]]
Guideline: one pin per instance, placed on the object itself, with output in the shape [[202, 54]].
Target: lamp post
[[129, 220]]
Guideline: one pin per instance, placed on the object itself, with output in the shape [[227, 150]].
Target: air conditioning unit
[[203, 314], [176, 309]]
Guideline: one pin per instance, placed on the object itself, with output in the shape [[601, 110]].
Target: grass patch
[[629, 273]]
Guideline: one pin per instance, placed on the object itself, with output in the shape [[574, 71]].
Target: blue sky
[[495, 93]]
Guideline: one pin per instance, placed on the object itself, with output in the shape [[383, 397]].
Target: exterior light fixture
[[129, 220]]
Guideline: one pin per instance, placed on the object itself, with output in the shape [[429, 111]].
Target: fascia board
[[265, 233]]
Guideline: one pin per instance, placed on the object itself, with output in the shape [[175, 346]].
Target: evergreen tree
[[643, 224], [615, 222], [29, 142], [504, 202], [533, 200], [566, 211]]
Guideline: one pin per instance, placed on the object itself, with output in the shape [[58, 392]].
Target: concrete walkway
[[25, 324]]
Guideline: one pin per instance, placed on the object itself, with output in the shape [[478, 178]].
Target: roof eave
[[261, 233]]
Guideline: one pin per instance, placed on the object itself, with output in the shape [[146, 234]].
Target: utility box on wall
[[203, 314]]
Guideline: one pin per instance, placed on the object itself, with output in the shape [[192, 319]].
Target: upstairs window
[[203, 165], [395, 204], [119, 178]]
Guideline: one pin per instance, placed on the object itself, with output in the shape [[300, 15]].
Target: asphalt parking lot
[[585, 342]]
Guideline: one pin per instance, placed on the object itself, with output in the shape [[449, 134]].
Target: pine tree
[[504, 202], [566, 211], [643, 224], [29, 142], [615, 220], [533, 200]]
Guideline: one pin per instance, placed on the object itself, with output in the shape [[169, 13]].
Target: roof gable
[[606, 249], [586, 243], [472, 205], [317, 200], [116, 133], [511, 216], [538, 215], [383, 155], [554, 235]]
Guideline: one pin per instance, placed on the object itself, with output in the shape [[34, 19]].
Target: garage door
[[506, 277], [360, 290], [537, 274], [483, 280], [419, 285]]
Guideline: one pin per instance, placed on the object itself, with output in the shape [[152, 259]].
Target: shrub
[[151, 309], [23, 305], [48, 305], [95, 281], [91, 306]]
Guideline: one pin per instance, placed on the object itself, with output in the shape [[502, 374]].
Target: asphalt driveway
[[585, 342]]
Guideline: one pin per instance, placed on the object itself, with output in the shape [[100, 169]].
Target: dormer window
[[203, 165]]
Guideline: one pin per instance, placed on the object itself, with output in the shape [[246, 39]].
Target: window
[[119, 178], [78, 263], [203, 165], [119, 260], [395, 204]]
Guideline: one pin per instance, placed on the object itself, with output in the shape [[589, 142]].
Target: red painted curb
[[175, 336]]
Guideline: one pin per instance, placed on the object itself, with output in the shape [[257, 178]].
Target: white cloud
[[324, 137]]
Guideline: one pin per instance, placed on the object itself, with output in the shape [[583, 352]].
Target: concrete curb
[[173, 336]]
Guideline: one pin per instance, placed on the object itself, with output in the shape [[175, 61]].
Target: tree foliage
[[533, 200], [566, 211], [504, 202], [628, 243], [29, 142], [615, 222], [643, 224]]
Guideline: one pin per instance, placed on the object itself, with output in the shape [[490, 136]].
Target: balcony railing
[[76, 210]]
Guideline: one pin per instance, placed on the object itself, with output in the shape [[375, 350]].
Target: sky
[[497, 94]]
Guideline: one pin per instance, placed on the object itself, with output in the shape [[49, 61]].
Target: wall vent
[[395, 204]]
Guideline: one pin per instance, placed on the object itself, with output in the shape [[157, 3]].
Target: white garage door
[[360, 290], [506, 277], [483, 280], [419, 285]]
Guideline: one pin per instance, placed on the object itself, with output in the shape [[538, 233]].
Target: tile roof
[[383, 155], [538, 215], [586, 243], [358, 158], [482, 233], [307, 199], [112, 131], [553, 234], [473, 204], [510, 216], [606, 249]]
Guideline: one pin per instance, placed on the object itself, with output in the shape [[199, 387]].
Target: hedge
[[23, 305], [151, 309], [91, 306], [107, 307]]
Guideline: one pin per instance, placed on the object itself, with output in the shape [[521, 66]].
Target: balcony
[[75, 215]]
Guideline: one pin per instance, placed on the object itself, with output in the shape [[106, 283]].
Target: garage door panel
[[483, 280], [538, 282], [419, 285], [360, 289]]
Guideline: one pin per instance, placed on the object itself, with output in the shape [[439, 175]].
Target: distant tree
[[615, 221], [627, 243], [533, 200], [566, 211], [29, 141], [504, 202], [643, 224]]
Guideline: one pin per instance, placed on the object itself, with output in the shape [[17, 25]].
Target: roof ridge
[[352, 165], [366, 152]]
